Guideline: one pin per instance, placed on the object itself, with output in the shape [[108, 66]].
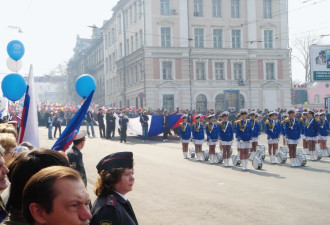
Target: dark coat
[[114, 210], [76, 162]]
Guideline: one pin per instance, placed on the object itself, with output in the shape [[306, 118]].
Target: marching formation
[[312, 128]]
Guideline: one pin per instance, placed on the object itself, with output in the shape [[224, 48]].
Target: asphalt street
[[171, 190]]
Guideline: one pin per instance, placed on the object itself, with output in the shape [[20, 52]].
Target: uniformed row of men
[[310, 128]]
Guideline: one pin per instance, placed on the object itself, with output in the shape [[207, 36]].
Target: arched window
[[219, 102], [201, 103], [241, 101], [317, 99]]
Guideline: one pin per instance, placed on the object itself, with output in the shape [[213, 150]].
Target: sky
[[50, 28]]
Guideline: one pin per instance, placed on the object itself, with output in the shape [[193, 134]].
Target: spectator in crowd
[[8, 142], [8, 128], [50, 126], [58, 124], [28, 145], [100, 121], [3, 183], [21, 170], [56, 195], [90, 123], [144, 124]]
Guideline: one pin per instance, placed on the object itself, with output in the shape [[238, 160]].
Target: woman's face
[[8, 155], [126, 182]]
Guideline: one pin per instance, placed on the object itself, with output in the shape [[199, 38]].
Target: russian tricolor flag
[[29, 123]]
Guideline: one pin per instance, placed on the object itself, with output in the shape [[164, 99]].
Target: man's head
[[3, 171], [79, 141], [291, 113], [56, 195]]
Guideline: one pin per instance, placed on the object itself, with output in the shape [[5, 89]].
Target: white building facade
[[199, 54]]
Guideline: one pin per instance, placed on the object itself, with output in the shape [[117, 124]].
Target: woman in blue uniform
[[323, 131], [115, 181], [198, 136], [255, 127], [185, 134], [273, 131], [283, 132], [292, 130], [244, 138], [303, 128], [212, 138], [226, 135], [311, 131]]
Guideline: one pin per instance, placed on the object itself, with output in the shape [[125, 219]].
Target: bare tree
[[59, 70], [301, 45]]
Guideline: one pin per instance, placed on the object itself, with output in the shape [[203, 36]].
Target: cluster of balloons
[[13, 85]]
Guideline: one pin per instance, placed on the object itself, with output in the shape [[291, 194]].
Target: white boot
[[325, 153], [243, 164], [211, 158], [185, 155], [293, 164], [306, 151], [216, 160], [225, 162], [202, 156], [246, 164], [296, 162]]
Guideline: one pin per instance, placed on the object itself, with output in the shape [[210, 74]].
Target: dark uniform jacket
[[112, 209], [100, 118], [111, 120], [76, 162], [144, 120], [166, 121]]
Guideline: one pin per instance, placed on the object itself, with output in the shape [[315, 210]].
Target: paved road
[[171, 190]]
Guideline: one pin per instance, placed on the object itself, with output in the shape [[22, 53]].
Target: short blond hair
[[8, 128], [7, 141]]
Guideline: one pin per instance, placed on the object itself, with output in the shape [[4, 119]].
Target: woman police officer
[[116, 179]]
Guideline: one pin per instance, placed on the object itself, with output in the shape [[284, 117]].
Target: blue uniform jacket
[[198, 131], [225, 131], [255, 126], [292, 128], [243, 130], [323, 127], [283, 130], [185, 131], [311, 128], [303, 125], [212, 131], [273, 129]]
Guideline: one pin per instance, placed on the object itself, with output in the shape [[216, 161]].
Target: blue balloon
[[85, 84], [15, 50], [13, 86]]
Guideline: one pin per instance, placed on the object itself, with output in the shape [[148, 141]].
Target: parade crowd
[[43, 186]]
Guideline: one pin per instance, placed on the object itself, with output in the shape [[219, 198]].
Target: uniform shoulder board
[[111, 200], [181, 123], [207, 123], [287, 120], [237, 121], [267, 122], [248, 120]]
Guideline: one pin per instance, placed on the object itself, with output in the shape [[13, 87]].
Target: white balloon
[[3, 102], [13, 65]]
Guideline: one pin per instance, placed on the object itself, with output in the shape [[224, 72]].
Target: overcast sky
[[50, 28]]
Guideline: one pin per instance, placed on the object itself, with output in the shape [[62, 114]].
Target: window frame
[[161, 37], [240, 39], [200, 43], [216, 8], [235, 10], [165, 7]]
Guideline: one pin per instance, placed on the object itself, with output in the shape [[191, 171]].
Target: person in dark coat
[[123, 122], [111, 124], [100, 120], [144, 124], [75, 156], [166, 125], [57, 123], [115, 181]]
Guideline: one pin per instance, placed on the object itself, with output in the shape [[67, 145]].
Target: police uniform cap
[[253, 113], [210, 116], [116, 160], [81, 135], [273, 113], [225, 113], [198, 116], [304, 113], [310, 112], [243, 112], [184, 116], [322, 113]]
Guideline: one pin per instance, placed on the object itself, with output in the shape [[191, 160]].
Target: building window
[[268, 39], [200, 71], [235, 8], [141, 39], [136, 41], [132, 43], [238, 71], [140, 8], [165, 36], [316, 99], [236, 38], [201, 103], [270, 71], [130, 15], [199, 37], [135, 12], [198, 7], [219, 102], [127, 46], [168, 102], [165, 7], [167, 70], [219, 70], [267, 8], [216, 8], [217, 38], [119, 24]]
